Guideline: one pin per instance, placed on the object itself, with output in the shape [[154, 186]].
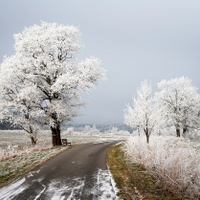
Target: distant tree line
[[6, 125], [103, 128]]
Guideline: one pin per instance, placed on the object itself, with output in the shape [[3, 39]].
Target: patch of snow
[[118, 143], [58, 190], [113, 183], [31, 173], [40, 192], [98, 142], [103, 189], [39, 180], [12, 190]]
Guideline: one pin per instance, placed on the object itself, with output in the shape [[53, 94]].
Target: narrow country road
[[77, 173]]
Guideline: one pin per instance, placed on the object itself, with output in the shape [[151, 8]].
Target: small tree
[[143, 114], [94, 129], [46, 60], [179, 102], [114, 130], [87, 129], [132, 116], [70, 130], [17, 102]]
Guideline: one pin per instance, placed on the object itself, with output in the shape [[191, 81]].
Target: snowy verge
[[174, 160], [116, 190]]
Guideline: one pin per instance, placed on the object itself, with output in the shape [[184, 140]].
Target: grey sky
[[134, 39]]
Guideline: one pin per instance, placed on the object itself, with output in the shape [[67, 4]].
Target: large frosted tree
[[179, 102], [46, 64]]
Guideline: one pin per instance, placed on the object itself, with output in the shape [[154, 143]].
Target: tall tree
[[143, 115], [179, 102], [46, 62]]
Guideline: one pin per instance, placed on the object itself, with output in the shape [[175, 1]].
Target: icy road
[[78, 173]]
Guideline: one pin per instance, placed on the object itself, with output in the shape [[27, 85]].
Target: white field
[[13, 142]]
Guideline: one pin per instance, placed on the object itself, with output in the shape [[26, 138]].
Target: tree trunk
[[178, 134], [33, 141], [56, 139], [147, 134], [185, 129], [138, 131]]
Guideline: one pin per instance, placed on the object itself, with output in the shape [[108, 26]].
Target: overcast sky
[[134, 39]]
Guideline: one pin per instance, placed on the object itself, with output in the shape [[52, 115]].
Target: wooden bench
[[65, 142]]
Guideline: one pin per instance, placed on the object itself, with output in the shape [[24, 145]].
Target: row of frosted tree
[[41, 83], [176, 104]]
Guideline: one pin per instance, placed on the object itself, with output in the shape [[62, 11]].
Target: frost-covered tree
[[179, 102], [46, 61], [87, 129], [142, 114], [94, 129], [160, 119], [70, 130], [132, 115], [17, 99], [114, 130]]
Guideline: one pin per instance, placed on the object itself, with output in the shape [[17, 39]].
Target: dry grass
[[12, 169], [133, 181]]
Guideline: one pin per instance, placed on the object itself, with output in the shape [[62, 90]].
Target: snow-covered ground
[[17, 142]]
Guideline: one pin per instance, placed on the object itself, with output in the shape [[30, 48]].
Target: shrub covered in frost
[[12, 151], [172, 159], [70, 130]]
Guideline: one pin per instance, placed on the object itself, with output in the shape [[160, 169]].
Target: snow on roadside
[[101, 182], [59, 190], [12, 190], [103, 189], [116, 190], [78, 187]]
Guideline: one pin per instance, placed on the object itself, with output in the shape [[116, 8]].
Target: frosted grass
[[174, 160], [16, 142]]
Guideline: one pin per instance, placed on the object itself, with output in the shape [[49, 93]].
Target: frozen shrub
[[94, 129], [114, 130], [87, 129], [171, 159], [70, 130]]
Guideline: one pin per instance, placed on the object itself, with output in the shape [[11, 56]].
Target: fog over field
[[135, 40]]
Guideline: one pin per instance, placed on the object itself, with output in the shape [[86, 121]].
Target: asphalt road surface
[[77, 173]]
